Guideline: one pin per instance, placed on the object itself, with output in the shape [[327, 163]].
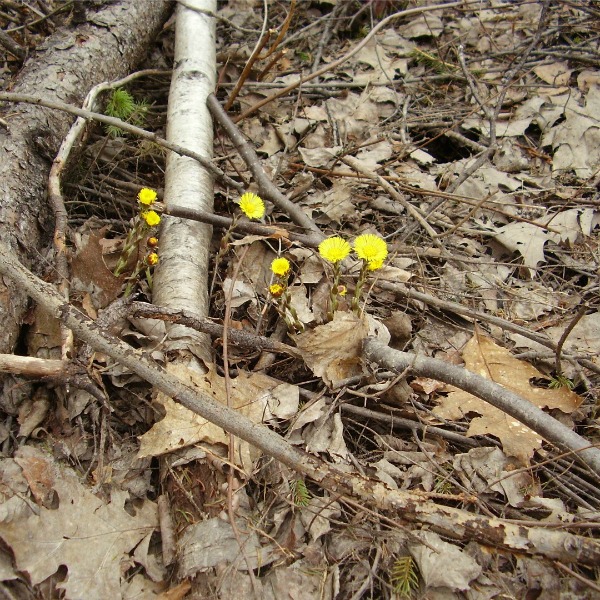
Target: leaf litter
[[517, 239]]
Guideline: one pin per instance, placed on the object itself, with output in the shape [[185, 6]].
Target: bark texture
[[181, 280], [64, 68]]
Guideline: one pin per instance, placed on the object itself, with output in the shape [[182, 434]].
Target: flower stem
[[362, 278]]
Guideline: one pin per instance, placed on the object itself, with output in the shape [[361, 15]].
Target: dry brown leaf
[[250, 395], [484, 357], [426, 385], [88, 536], [91, 274], [442, 564], [332, 351]]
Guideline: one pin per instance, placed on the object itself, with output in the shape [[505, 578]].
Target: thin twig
[[247, 68], [393, 421], [13, 47], [241, 338], [588, 582], [266, 186], [272, 231], [230, 477], [565, 334], [326, 34], [358, 166], [167, 530], [282, 32], [148, 135]]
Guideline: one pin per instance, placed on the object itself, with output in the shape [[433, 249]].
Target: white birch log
[[181, 280]]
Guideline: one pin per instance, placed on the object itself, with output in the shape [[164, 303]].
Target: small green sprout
[[123, 105], [299, 492], [404, 577], [560, 381]]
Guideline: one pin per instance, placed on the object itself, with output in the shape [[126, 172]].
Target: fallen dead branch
[[451, 522], [33, 367], [277, 232], [498, 396]]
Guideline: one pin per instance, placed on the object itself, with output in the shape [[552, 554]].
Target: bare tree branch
[[449, 521], [496, 395]]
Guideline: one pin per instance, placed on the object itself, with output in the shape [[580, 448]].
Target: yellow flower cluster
[[371, 249], [151, 217], [334, 249], [368, 247], [276, 290], [146, 219], [280, 266]]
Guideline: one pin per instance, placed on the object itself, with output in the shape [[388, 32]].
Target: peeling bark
[[181, 280], [63, 68]]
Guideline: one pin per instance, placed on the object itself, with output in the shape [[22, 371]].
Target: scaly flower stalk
[[372, 250], [334, 250], [279, 290], [143, 222], [288, 312], [145, 263]]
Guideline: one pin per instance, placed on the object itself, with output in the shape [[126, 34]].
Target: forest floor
[[468, 139]]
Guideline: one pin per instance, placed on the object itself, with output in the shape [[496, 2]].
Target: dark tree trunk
[[107, 46]]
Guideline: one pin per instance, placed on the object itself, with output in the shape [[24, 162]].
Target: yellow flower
[[372, 249], [252, 206], [152, 242], [276, 290], [147, 196], [342, 290], [334, 249], [152, 218], [280, 266], [152, 259]]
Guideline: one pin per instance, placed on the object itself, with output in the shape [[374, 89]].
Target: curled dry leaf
[[91, 538], [442, 564], [332, 351]]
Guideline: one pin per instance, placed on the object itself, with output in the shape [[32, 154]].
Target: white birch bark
[[181, 280]]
